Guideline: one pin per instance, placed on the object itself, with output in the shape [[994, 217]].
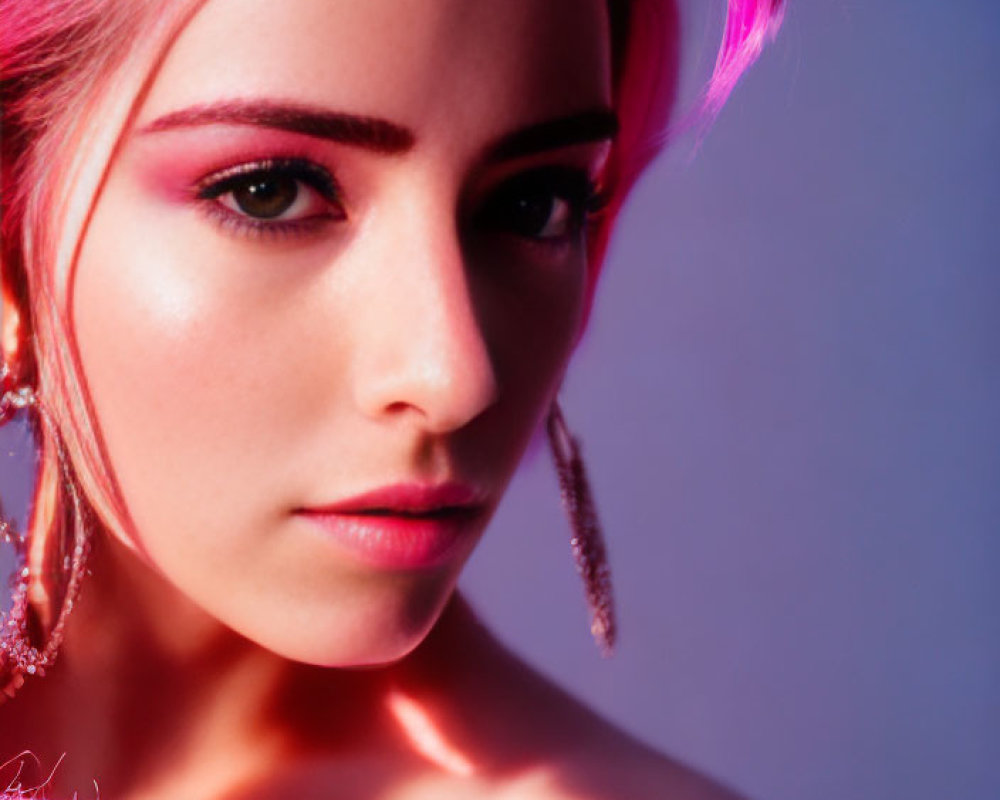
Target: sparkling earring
[[587, 542], [49, 553]]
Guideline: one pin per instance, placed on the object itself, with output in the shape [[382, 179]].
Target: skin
[[409, 333]]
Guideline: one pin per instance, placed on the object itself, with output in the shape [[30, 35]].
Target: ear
[[10, 327], [12, 322]]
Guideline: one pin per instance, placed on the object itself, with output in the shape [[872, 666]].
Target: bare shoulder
[[544, 744], [629, 769], [605, 763], [603, 776], [581, 756]]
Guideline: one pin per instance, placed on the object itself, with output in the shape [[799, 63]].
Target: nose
[[421, 353]]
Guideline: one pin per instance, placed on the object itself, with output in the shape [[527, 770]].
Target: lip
[[405, 526]]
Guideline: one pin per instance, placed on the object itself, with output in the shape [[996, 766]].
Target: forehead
[[478, 67]]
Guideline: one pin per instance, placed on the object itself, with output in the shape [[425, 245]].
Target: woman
[[287, 290]]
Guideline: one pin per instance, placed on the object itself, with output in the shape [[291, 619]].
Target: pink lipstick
[[404, 526]]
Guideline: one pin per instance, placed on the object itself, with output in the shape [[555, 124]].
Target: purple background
[[790, 403]]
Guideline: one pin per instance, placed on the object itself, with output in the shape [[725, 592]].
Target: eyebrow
[[380, 135], [595, 125], [369, 133]]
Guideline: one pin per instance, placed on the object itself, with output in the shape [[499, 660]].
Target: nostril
[[397, 408], [439, 392]]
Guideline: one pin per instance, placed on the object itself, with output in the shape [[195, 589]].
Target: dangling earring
[[49, 554], [589, 551]]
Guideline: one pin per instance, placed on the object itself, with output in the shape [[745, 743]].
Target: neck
[[149, 687]]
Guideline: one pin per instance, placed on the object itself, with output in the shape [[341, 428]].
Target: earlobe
[[15, 326], [10, 317]]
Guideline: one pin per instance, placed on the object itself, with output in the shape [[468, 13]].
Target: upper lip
[[408, 499]]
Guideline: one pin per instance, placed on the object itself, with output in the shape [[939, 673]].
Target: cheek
[[531, 311], [531, 306], [174, 350]]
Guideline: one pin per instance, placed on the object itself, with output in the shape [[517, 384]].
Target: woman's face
[[327, 292]]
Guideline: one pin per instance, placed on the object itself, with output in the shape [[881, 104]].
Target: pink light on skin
[[426, 736]]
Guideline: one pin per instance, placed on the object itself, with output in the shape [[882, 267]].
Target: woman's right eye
[[273, 196]]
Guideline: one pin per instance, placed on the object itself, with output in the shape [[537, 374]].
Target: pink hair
[[67, 64], [645, 84], [64, 66]]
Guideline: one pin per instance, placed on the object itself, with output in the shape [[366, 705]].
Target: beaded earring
[[587, 541], [50, 552]]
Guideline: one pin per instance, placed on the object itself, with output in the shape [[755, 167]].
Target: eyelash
[[571, 185], [300, 170]]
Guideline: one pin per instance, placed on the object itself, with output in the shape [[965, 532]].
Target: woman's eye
[[540, 215], [548, 204], [273, 195], [264, 196]]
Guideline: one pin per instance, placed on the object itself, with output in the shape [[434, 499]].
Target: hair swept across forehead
[[71, 74]]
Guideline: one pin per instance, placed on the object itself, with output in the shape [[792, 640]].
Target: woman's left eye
[[549, 204], [280, 195]]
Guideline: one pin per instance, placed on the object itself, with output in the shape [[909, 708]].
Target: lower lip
[[400, 542]]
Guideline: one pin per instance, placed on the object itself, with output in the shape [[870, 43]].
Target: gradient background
[[790, 403]]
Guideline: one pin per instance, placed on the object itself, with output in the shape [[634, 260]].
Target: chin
[[371, 634]]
